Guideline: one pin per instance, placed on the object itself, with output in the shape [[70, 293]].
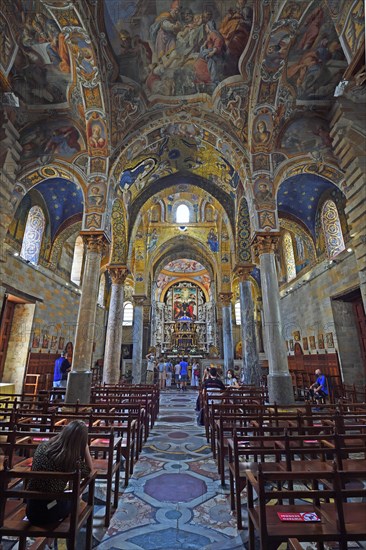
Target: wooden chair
[[14, 523], [245, 451], [105, 450], [340, 521]]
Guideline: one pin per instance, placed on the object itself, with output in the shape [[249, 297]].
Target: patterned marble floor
[[174, 500]]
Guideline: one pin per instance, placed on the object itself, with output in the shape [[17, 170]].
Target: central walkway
[[174, 500]]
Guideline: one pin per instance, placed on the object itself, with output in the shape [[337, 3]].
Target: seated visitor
[[63, 453], [231, 379], [319, 390]]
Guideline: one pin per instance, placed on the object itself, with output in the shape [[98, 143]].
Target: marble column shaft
[[251, 366], [112, 353], [279, 379], [227, 332], [137, 338], [79, 380]]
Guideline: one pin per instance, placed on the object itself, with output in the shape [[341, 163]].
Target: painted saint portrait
[[213, 241], [263, 194], [97, 136]]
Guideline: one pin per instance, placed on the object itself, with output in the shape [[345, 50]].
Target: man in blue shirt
[[319, 389], [62, 368], [183, 374]]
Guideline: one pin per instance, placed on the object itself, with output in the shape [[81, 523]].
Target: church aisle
[[174, 500]]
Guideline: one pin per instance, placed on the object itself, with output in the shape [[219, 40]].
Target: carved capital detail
[[265, 244], [118, 274], [225, 298], [243, 271], [139, 299], [95, 242]]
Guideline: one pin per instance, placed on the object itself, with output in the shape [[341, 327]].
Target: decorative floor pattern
[[174, 500]]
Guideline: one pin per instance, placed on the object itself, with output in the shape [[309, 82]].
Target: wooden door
[[5, 328], [361, 327]]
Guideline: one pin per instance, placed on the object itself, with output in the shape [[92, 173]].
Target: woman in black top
[[66, 452]]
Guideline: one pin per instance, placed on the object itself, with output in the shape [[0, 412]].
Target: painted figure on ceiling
[[312, 26], [163, 32], [235, 28], [213, 241], [206, 66], [137, 174], [262, 135]]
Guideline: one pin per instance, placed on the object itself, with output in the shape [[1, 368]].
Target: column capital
[[139, 299], [95, 242], [243, 271], [225, 298], [265, 243], [118, 273]]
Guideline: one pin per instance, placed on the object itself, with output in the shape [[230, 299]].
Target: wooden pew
[[15, 525]]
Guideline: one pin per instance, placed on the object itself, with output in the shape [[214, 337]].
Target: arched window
[[332, 229], [33, 234], [237, 313], [288, 252], [127, 314], [77, 261], [182, 214]]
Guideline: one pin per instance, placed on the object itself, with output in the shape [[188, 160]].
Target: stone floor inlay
[[174, 500]]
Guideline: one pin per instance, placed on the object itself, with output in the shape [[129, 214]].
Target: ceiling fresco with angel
[[175, 155], [178, 47]]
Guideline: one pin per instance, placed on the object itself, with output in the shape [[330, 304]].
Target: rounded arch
[[188, 247], [303, 165], [179, 280], [166, 182], [73, 227]]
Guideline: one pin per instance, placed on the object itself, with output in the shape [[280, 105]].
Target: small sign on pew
[[299, 517]]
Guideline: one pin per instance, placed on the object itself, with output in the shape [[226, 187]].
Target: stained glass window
[[332, 229], [288, 252], [127, 314], [33, 234]]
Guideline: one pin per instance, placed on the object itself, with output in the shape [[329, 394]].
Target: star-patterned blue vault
[[63, 198], [300, 196]]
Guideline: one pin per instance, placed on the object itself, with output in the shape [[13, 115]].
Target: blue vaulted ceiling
[[300, 195], [63, 198]]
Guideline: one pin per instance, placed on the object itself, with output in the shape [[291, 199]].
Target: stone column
[[251, 367], [227, 330], [137, 337], [113, 343], [279, 379], [80, 377]]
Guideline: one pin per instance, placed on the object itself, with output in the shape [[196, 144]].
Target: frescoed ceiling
[[64, 199], [178, 48], [172, 155], [182, 269]]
